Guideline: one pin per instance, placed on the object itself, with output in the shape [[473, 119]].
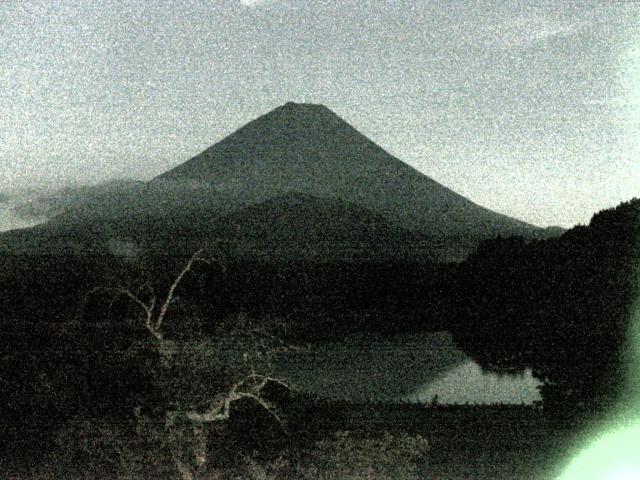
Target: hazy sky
[[531, 109]]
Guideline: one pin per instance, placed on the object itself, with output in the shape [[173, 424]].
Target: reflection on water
[[413, 367], [467, 383]]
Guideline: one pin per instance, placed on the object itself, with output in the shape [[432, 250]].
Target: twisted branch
[[221, 410], [151, 324], [165, 306]]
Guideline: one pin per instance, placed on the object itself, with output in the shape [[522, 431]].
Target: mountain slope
[[298, 225], [309, 149]]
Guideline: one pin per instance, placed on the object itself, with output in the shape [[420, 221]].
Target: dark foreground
[[330, 441], [483, 442]]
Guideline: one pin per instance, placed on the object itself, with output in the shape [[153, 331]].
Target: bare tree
[[182, 423]]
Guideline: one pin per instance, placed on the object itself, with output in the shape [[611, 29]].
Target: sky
[[531, 109]]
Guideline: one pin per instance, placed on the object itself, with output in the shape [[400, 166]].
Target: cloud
[[513, 33], [255, 3], [524, 32]]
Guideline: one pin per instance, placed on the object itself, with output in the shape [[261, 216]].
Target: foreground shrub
[[156, 396], [91, 448], [141, 450], [392, 456]]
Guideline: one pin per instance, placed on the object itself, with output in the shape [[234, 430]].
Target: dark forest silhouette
[[559, 306]]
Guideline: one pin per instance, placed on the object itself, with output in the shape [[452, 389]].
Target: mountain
[[297, 169], [309, 149]]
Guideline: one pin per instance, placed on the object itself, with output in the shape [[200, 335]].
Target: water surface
[[406, 367]]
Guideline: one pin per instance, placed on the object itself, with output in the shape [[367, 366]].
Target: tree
[[184, 373], [560, 307]]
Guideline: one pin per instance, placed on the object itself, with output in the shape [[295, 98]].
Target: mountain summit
[[284, 147], [309, 149]]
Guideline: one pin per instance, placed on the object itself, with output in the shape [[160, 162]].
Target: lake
[[405, 367]]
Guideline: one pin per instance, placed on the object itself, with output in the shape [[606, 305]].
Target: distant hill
[[291, 226], [303, 226]]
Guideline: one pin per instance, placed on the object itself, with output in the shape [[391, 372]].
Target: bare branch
[[148, 309], [152, 304], [220, 411], [165, 306], [216, 415], [151, 324], [223, 411]]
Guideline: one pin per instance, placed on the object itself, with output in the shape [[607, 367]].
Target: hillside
[[299, 225], [562, 307]]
